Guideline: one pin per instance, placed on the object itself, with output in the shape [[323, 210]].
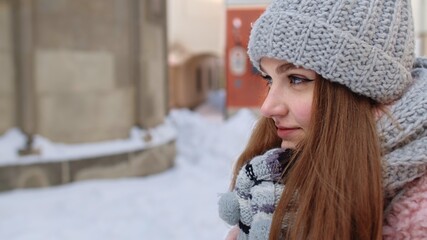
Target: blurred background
[[121, 119]]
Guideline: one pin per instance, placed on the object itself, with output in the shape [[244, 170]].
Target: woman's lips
[[286, 132]]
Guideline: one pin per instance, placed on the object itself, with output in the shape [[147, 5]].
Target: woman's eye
[[294, 79], [268, 79]]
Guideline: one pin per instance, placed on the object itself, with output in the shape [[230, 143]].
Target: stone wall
[[7, 87], [82, 74], [76, 71], [87, 70], [79, 99]]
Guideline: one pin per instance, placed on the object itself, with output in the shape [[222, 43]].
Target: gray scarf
[[404, 136]]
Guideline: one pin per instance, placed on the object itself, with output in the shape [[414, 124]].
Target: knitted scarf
[[404, 135]]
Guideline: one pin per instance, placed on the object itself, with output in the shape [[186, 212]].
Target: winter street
[[178, 204]]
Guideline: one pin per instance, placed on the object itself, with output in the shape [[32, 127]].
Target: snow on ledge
[[14, 139]]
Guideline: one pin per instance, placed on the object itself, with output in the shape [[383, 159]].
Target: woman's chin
[[288, 144]]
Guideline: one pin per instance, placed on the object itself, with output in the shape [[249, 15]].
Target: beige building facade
[[82, 71], [192, 79], [419, 8], [197, 25], [196, 43]]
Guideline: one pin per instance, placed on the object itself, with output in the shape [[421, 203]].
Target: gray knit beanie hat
[[366, 45]]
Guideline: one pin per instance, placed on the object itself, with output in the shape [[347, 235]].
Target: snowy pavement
[[179, 204]]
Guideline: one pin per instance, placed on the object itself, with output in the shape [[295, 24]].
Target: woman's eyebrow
[[285, 67]]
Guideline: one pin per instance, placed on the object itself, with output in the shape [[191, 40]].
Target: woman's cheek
[[304, 114]]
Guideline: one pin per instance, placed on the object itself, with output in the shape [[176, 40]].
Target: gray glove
[[257, 191]]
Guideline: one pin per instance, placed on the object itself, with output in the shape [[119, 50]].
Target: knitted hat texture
[[366, 45]]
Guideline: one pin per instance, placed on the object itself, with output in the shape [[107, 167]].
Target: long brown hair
[[334, 187]]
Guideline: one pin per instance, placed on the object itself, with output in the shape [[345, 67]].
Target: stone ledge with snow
[[64, 163]]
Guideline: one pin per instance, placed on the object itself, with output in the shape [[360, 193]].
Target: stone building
[[78, 71]]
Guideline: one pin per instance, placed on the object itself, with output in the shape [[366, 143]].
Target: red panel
[[245, 88]]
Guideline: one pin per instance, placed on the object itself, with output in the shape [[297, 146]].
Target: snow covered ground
[[179, 204]]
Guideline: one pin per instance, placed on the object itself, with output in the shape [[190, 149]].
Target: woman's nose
[[274, 104]]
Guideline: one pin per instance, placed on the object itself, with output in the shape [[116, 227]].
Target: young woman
[[341, 149]]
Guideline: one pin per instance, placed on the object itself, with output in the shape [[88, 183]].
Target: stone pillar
[[135, 56], [23, 20], [7, 74], [151, 84]]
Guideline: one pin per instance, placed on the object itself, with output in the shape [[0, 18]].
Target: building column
[[26, 107], [151, 79]]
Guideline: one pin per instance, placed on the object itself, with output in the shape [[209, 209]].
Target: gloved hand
[[252, 202]]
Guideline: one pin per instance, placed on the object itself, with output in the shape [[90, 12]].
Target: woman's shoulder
[[407, 217]]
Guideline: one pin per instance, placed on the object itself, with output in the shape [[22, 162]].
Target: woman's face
[[289, 99]]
